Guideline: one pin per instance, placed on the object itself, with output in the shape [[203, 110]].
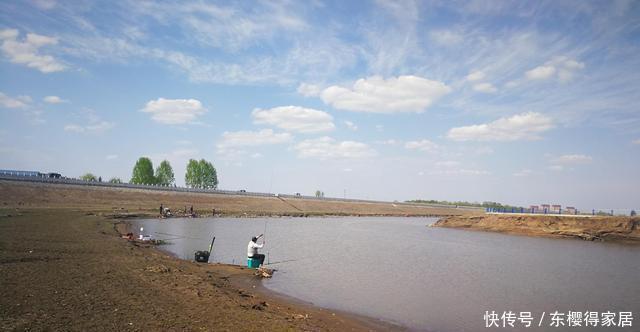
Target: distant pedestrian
[[191, 210], [161, 209]]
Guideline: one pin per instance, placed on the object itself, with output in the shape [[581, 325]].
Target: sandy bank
[[45, 195], [621, 229], [70, 271]]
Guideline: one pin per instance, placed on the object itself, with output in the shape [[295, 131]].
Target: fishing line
[[264, 240], [181, 236]]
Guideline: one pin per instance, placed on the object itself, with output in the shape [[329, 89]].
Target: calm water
[[434, 279]]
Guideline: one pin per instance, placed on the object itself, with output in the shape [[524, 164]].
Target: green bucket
[[253, 263]]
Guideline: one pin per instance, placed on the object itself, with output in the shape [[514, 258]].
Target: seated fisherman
[[252, 249]]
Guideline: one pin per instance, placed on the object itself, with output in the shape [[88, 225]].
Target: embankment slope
[[45, 195], [625, 229]]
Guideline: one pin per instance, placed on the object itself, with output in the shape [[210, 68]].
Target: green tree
[[89, 177], [164, 174], [115, 180], [201, 174], [143, 172], [192, 177]]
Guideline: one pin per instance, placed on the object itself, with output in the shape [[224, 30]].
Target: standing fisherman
[[252, 249]]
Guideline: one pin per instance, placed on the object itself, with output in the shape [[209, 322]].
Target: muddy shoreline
[[611, 229], [70, 270]]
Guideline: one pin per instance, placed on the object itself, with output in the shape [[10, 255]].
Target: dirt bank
[[622, 229], [65, 270], [44, 195]]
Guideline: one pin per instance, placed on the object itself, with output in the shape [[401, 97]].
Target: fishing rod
[[284, 261], [211, 248]]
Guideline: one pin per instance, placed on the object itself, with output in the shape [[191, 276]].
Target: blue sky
[[511, 101]]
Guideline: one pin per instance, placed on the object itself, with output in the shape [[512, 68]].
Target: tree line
[[200, 174]]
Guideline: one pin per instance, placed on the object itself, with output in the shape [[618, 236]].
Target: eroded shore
[[618, 229]]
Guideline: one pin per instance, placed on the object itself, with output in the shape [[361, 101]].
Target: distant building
[[546, 208], [571, 210], [556, 208], [534, 209]]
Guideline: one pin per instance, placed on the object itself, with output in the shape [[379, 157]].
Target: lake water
[[425, 278]]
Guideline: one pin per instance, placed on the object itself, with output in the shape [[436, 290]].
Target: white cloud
[[475, 76], [44, 4], [523, 173], [540, 73], [228, 27], [379, 127], [571, 159], [422, 145], [174, 111], [252, 138], [294, 118], [26, 52], [388, 142], [525, 126], [459, 171], [378, 95], [92, 128], [565, 162], [446, 37], [17, 102], [561, 67], [485, 87], [309, 90], [452, 167], [111, 157], [351, 125], [328, 148], [556, 168], [637, 141], [54, 100]]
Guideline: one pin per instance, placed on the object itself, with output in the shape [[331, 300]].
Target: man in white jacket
[[252, 249]]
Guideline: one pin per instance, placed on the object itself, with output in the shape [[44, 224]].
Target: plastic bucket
[[253, 263]]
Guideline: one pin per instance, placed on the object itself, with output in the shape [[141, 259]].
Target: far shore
[[590, 228], [126, 200]]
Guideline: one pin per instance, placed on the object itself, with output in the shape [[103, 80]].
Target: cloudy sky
[[522, 102]]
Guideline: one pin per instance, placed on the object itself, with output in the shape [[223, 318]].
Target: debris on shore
[[263, 272]]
